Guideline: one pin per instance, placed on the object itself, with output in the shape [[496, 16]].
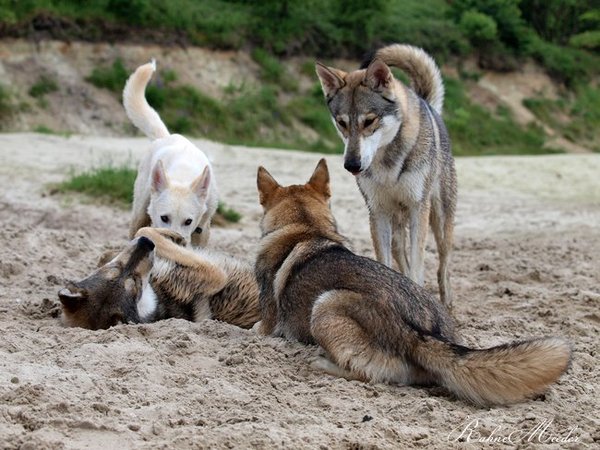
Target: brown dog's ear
[[266, 185], [72, 299], [379, 76], [201, 183], [319, 180], [332, 80], [159, 178]]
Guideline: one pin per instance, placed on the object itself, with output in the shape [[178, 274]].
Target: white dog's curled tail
[[138, 110]]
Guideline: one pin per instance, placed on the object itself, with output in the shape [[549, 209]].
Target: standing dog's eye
[[368, 122], [342, 123], [187, 222], [165, 219]]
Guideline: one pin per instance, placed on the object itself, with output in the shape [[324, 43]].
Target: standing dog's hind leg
[[419, 227]]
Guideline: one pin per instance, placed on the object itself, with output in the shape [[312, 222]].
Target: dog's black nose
[[145, 243], [352, 166]]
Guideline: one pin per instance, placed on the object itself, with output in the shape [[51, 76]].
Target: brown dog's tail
[[424, 73], [504, 374], [138, 110]]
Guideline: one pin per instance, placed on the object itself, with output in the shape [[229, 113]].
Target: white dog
[[175, 186]]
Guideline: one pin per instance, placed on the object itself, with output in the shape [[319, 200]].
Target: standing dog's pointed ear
[[319, 180], [266, 185], [379, 76], [72, 298], [201, 183], [159, 178], [332, 80]]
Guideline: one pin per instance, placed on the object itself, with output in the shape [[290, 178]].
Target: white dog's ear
[[201, 183], [159, 178]]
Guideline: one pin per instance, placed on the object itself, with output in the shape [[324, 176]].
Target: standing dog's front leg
[[381, 233], [399, 241], [419, 226]]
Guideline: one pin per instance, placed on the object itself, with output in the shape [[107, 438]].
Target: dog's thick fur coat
[[397, 146], [373, 322], [175, 187], [155, 277]]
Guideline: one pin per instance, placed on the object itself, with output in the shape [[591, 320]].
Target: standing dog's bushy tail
[[422, 69], [499, 375], [138, 110]]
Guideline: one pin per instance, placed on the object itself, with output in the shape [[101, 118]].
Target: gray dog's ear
[[72, 298], [332, 80], [379, 76]]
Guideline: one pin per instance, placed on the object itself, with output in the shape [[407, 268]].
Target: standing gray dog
[[397, 146]]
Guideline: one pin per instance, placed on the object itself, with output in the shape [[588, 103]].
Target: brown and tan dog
[[155, 277], [375, 323]]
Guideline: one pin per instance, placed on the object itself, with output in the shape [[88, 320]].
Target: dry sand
[[525, 264]]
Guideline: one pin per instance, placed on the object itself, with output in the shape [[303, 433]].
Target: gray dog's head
[[364, 108]]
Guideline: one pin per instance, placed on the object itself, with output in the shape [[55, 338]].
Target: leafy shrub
[[475, 131], [43, 86], [112, 77], [7, 108], [478, 27]]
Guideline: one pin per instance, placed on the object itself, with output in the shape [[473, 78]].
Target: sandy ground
[[525, 264]]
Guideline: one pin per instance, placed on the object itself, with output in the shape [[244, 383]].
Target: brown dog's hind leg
[[348, 343]]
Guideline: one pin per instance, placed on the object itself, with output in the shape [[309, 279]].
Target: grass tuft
[[110, 183], [229, 214]]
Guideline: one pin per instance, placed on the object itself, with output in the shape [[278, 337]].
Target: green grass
[[44, 85], [111, 77], [43, 129], [229, 214], [7, 108], [109, 183], [575, 116], [476, 131]]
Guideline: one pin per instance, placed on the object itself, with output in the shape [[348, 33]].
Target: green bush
[[475, 131], [478, 27], [112, 77], [43, 86], [7, 106], [271, 69], [569, 65]]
